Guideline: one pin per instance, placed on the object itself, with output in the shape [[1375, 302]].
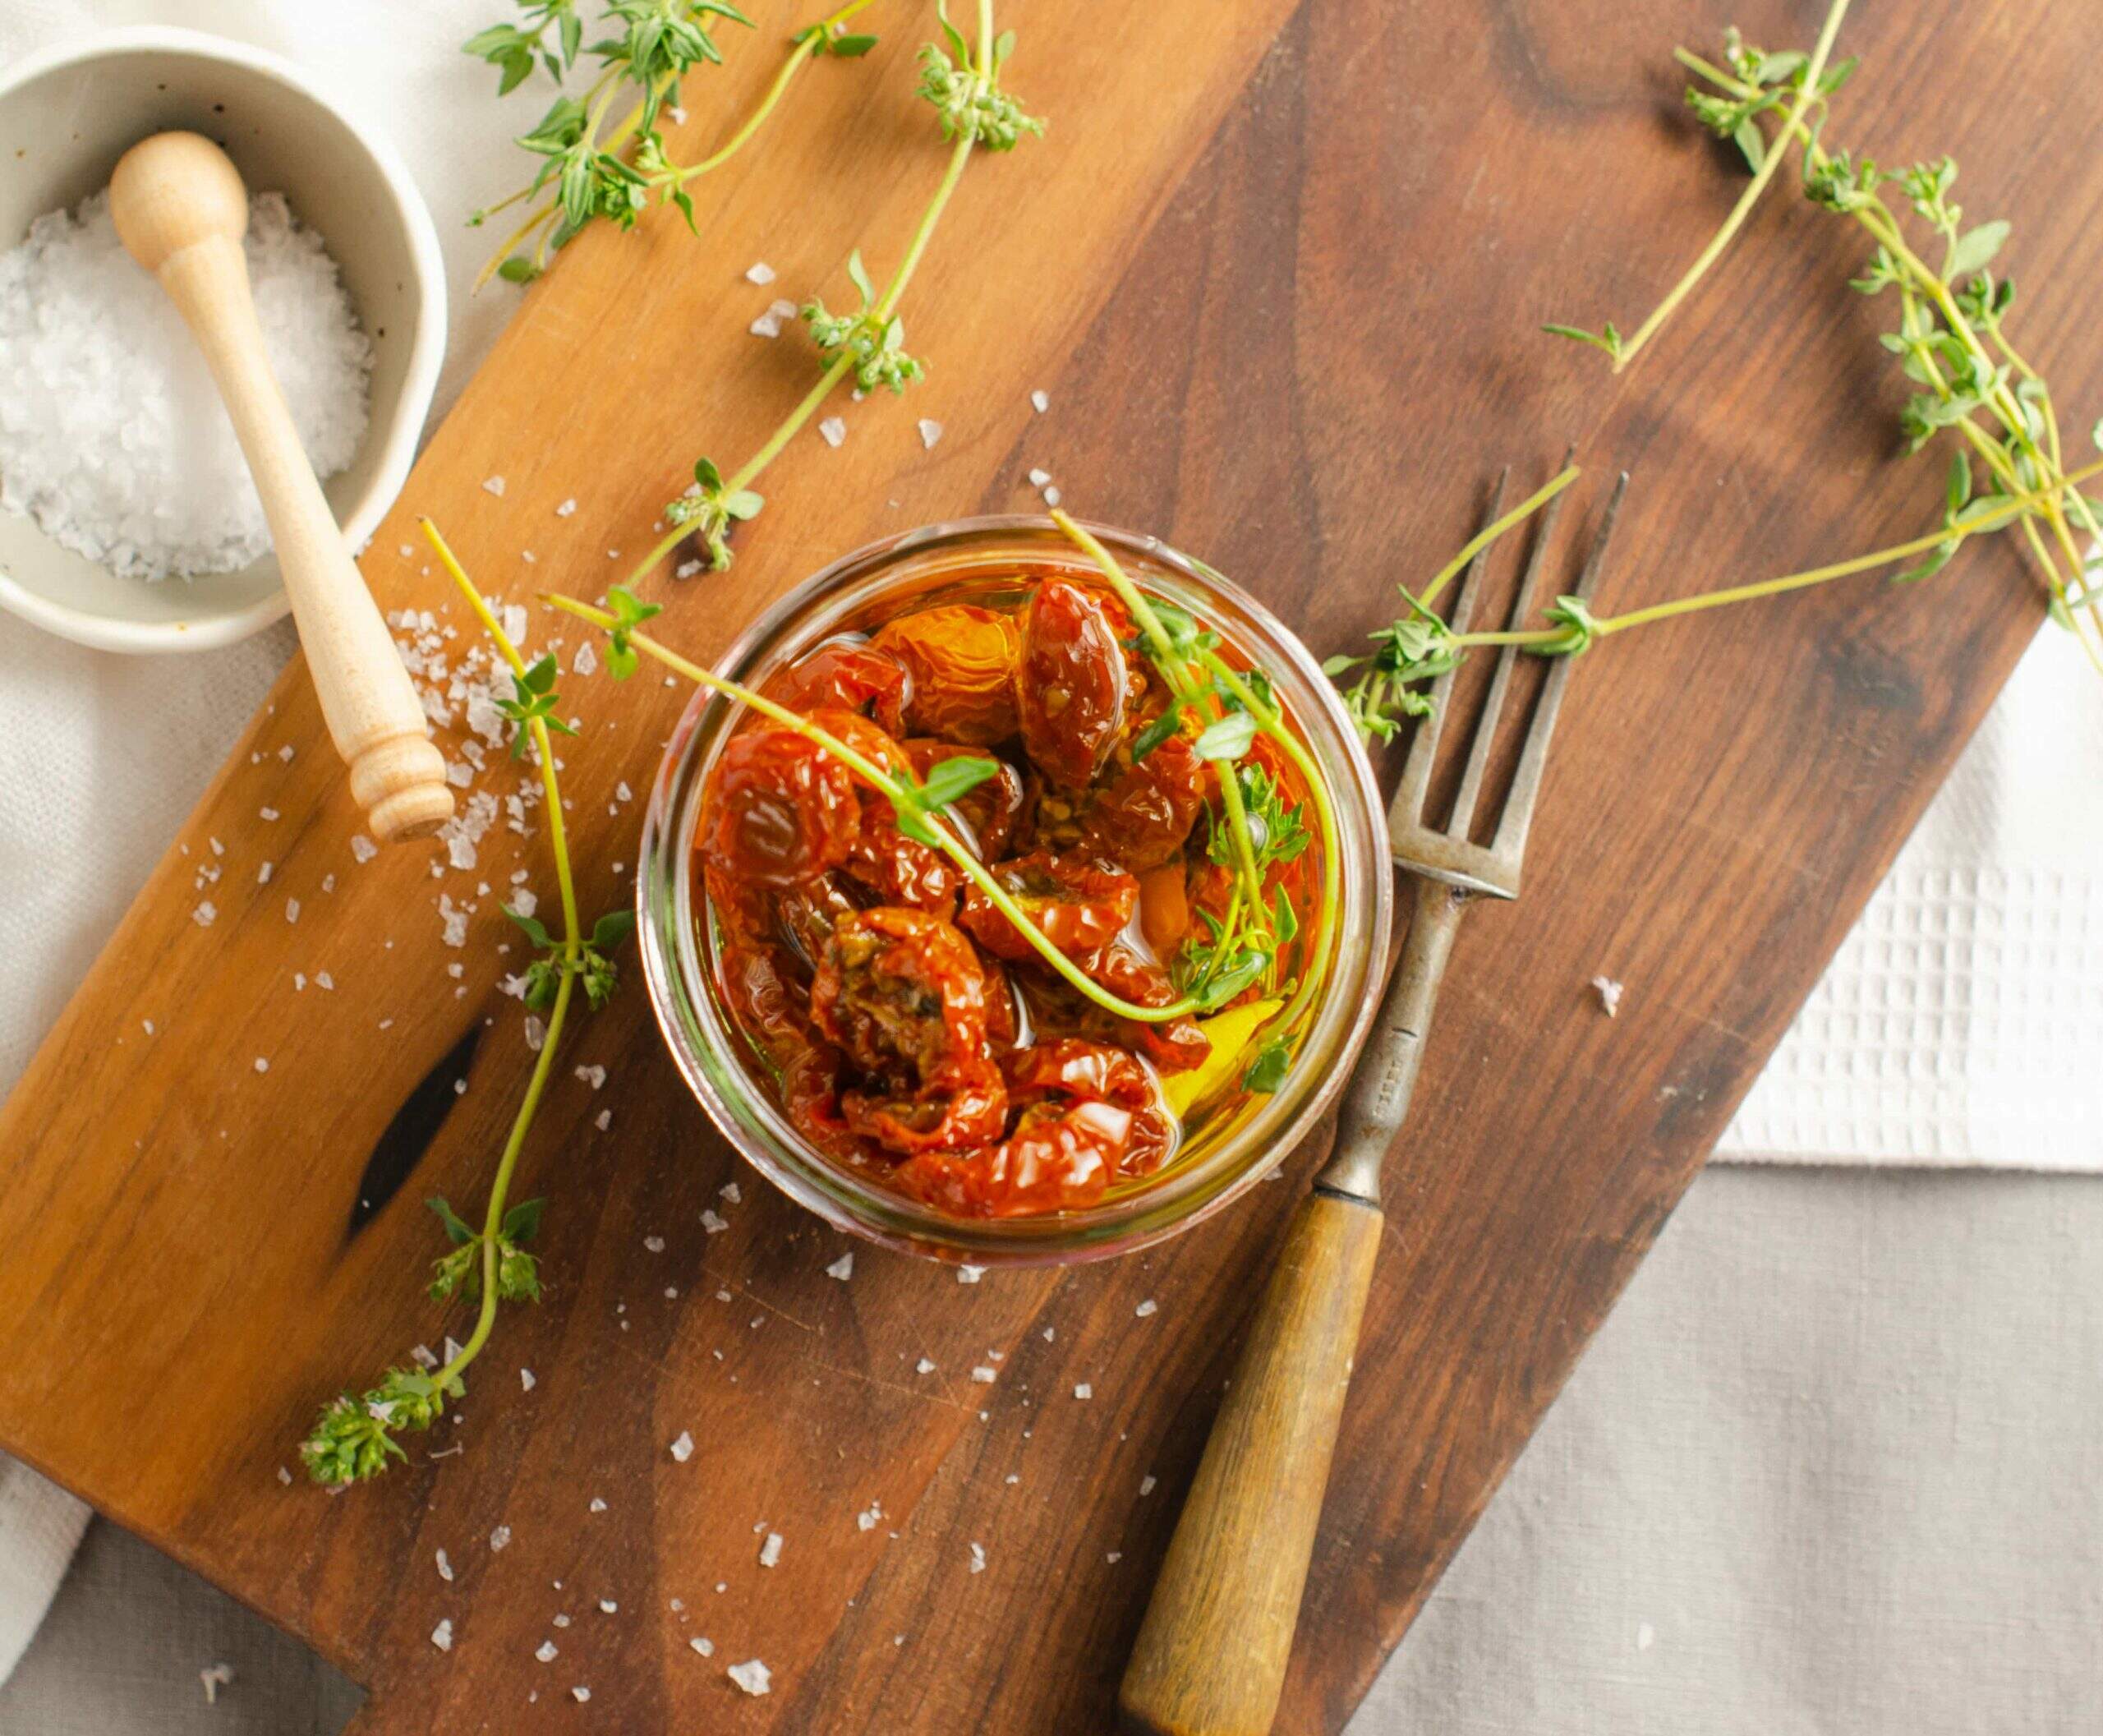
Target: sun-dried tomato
[[991, 809], [1061, 1157], [895, 869], [901, 993], [847, 675], [969, 1110], [779, 810], [1075, 684], [1079, 905], [1140, 817], [962, 660]]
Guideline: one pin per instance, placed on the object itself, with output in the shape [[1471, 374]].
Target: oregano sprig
[[865, 347], [356, 1435]]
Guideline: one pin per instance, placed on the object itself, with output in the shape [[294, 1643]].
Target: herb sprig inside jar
[[1013, 888]]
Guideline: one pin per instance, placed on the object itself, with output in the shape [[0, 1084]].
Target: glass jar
[[711, 1054]]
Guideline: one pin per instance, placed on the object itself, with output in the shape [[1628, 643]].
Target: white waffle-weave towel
[[1962, 1023]]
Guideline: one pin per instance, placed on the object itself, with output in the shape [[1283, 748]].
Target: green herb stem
[[1732, 224], [884, 784], [2016, 507], [829, 381], [1482, 540], [573, 954]]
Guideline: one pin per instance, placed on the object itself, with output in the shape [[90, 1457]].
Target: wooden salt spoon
[[182, 210]]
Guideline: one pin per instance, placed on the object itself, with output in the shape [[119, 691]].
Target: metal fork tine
[[1510, 841], [1485, 736], [1423, 742]]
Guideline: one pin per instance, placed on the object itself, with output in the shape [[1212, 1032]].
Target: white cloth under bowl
[[1959, 1025]]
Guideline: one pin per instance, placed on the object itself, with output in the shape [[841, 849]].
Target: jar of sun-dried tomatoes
[[1041, 910]]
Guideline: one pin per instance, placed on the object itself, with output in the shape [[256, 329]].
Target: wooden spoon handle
[[1212, 1654], [397, 774]]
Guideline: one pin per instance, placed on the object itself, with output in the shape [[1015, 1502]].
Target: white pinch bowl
[[66, 117]]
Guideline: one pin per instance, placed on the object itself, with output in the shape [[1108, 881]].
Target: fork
[[1210, 1657]]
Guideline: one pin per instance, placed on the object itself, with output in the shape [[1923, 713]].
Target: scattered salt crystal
[[768, 325], [423, 1356], [977, 1558], [148, 1025], [262, 1065], [362, 848], [930, 430], [546, 1652], [1038, 478], [603, 1120], [759, 272], [291, 909], [842, 1269], [705, 1647], [682, 1448], [607, 1606], [263, 872], [713, 1224], [728, 1191], [114, 439], [441, 1636], [1149, 1306], [214, 1677], [598, 1504], [526, 1380], [923, 1367], [536, 1032], [769, 1551], [969, 1274], [494, 485], [205, 914], [1040, 402], [322, 979], [1609, 993], [985, 1376], [284, 1476], [594, 1076], [445, 1567], [500, 1538], [1114, 1557], [834, 428], [560, 1621], [685, 569], [869, 1518], [586, 660], [752, 1676], [654, 1244], [580, 1693], [1050, 497], [1083, 1390], [218, 848], [567, 508], [1148, 1485]]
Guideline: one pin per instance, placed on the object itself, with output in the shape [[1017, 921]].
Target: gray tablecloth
[[1834, 1465]]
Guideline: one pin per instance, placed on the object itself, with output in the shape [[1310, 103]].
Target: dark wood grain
[[1303, 357]]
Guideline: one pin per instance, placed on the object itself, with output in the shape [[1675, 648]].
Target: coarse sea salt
[[112, 437]]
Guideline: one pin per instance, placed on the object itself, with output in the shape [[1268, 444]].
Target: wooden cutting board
[[1279, 270]]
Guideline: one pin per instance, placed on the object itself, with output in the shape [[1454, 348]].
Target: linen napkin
[[1937, 1036]]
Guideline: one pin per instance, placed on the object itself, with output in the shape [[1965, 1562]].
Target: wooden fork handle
[[1212, 1654]]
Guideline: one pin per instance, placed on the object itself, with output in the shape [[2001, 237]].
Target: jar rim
[[706, 1046]]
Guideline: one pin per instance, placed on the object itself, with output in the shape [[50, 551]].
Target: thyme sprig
[[867, 345], [356, 1436], [2009, 467], [1951, 338], [919, 804], [593, 167]]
